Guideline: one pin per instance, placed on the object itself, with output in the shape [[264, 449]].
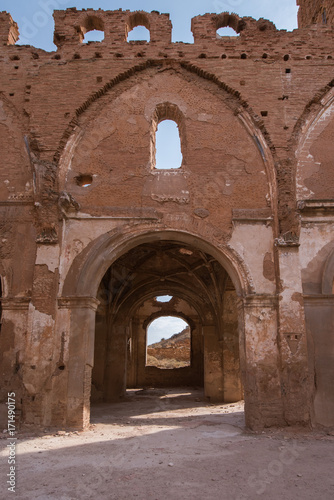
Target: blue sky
[[35, 21]]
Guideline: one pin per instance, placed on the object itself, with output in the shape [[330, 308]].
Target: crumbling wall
[[77, 169]]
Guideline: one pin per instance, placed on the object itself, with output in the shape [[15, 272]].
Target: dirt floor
[[171, 444]]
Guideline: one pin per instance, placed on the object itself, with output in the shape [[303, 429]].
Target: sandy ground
[[171, 444]]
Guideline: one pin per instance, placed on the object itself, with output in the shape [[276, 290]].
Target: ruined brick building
[[240, 235]]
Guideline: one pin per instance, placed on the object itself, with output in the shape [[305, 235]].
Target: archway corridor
[[196, 289]]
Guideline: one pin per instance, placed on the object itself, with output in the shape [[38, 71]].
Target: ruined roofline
[[71, 25]]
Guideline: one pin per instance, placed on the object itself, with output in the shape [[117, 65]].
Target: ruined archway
[[202, 294], [81, 288]]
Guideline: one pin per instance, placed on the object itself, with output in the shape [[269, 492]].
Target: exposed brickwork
[[79, 191], [315, 12], [9, 32]]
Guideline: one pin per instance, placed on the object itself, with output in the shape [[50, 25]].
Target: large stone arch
[[78, 305], [245, 116], [88, 268]]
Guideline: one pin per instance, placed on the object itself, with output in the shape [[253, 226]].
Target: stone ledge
[[72, 302], [15, 303]]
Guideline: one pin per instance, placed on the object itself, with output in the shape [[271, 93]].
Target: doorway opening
[[166, 281]]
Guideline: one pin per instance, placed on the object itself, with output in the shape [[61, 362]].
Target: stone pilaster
[[77, 322], [260, 361], [296, 388]]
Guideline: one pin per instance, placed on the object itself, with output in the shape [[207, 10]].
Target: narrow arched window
[[168, 343], [167, 137], [168, 145]]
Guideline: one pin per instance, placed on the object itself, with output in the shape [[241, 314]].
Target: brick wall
[[315, 12]]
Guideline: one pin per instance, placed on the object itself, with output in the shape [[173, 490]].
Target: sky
[[35, 21]]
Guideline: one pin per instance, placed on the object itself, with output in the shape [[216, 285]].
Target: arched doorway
[[201, 292], [213, 272]]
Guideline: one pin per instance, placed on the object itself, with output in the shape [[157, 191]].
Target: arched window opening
[[91, 29], [93, 36], [226, 31], [168, 343], [138, 27], [168, 145], [139, 33]]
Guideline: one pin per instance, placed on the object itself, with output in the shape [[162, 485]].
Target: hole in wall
[[243, 56], [286, 57], [264, 56], [264, 113], [226, 31], [287, 71], [84, 180], [164, 298]]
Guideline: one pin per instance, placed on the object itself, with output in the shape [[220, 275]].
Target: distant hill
[[175, 340]]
